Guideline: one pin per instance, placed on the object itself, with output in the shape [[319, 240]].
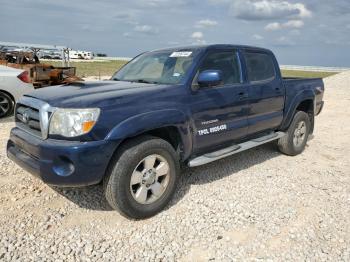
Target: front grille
[[28, 118], [32, 115]]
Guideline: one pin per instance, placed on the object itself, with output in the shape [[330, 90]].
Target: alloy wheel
[[299, 134], [150, 179]]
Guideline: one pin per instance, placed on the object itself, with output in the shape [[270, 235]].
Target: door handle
[[243, 95]]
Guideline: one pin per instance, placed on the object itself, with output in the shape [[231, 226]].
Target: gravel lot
[[258, 205]]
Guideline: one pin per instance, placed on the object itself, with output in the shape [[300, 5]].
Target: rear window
[[260, 66]]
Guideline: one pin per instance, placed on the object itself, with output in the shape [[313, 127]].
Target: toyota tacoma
[[162, 110]]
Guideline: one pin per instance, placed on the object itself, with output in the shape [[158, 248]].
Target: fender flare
[[144, 122], [297, 100]]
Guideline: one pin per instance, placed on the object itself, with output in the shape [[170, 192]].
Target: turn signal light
[[87, 126]]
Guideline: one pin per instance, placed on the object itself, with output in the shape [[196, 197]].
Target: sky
[[299, 32]]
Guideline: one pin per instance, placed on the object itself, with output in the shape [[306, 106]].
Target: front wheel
[[142, 178], [294, 142], [6, 105]]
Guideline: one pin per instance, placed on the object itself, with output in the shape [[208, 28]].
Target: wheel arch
[[302, 102], [170, 134], [306, 106], [171, 125]]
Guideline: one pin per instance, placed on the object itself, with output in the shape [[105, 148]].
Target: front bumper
[[61, 163]]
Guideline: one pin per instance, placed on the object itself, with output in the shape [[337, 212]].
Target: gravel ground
[[258, 205]]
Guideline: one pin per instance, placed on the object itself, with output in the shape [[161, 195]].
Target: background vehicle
[[24, 65], [50, 54], [190, 105], [81, 55], [13, 84]]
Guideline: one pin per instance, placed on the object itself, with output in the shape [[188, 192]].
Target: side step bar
[[228, 151]]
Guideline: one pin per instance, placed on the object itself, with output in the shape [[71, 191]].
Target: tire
[[131, 174], [6, 105], [294, 142]]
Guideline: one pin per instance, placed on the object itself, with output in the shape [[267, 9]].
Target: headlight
[[73, 122]]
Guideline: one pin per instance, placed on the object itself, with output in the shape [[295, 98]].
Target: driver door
[[220, 112]]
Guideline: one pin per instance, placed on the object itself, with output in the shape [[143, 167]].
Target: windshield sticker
[[176, 74], [181, 54]]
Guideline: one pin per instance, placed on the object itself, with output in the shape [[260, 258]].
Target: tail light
[[24, 77]]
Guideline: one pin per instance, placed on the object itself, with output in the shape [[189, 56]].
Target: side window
[[226, 62], [260, 66]]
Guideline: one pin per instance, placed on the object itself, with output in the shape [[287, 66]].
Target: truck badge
[[25, 116]]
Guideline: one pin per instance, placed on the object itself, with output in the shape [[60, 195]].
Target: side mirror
[[209, 78]]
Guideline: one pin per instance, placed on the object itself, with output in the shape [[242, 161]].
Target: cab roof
[[213, 47]]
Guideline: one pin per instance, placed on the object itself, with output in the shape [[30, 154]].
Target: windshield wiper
[[144, 81], [117, 79]]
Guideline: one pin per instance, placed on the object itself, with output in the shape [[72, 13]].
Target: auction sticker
[[181, 54]]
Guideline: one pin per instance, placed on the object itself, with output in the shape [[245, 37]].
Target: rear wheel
[[294, 142], [142, 178], [6, 105]]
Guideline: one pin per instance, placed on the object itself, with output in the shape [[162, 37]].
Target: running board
[[231, 150]]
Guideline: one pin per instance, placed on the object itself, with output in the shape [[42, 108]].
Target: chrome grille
[[32, 115], [28, 118]]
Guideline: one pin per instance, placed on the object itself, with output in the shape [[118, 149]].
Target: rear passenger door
[[266, 93], [220, 112]]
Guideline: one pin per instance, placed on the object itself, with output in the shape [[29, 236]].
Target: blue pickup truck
[[162, 110]]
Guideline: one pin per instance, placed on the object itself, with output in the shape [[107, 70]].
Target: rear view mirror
[[209, 78]]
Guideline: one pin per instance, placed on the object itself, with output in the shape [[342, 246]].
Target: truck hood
[[93, 93]]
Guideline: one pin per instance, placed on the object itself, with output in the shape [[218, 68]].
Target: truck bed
[[303, 86]]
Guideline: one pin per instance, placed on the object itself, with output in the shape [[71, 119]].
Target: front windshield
[[163, 67]]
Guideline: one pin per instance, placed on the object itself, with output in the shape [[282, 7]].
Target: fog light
[[63, 166]]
